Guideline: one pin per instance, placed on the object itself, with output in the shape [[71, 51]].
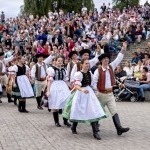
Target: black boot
[[73, 128], [38, 99], [24, 107], [15, 100], [9, 98], [20, 106], [118, 126], [60, 111], [56, 119], [66, 123], [95, 129]]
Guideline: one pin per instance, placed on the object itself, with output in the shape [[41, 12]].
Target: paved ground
[[36, 130]]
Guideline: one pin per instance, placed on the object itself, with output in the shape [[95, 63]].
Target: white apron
[[59, 92], [25, 87], [86, 106]]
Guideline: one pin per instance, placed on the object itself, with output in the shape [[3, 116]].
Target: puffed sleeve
[[15, 68], [78, 78], [50, 73]]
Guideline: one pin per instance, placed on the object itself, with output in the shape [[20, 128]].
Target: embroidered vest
[[102, 78], [59, 73]]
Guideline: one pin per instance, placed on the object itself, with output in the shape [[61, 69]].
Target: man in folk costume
[[103, 82], [38, 73], [3, 76], [73, 55], [84, 54], [22, 87]]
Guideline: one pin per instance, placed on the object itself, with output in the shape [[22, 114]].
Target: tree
[[41, 7], [125, 3]]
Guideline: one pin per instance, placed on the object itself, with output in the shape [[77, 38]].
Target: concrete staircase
[[132, 48]]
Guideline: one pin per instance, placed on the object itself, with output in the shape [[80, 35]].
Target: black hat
[[40, 55], [85, 51], [72, 53], [103, 56], [1, 53]]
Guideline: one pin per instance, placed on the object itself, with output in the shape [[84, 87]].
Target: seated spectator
[[145, 83], [135, 58], [138, 69], [146, 58], [120, 73], [140, 53], [128, 69]]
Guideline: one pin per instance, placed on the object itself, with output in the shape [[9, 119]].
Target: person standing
[[3, 76], [38, 73], [85, 107], [73, 55], [22, 86], [57, 90], [103, 82]]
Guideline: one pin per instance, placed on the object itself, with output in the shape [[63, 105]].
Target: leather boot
[[38, 99], [118, 126], [24, 107], [15, 100], [56, 119], [95, 129], [73, 128], [66, 123], [9, 98], [20, 106]]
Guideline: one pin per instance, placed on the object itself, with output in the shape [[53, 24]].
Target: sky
[[12, 7]]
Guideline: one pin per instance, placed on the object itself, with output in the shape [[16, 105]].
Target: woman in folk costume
[[22, 88], [83, 105], [57, 90], [11, 80]]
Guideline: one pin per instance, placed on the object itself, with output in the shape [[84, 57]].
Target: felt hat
[[103, 56], [72, 53], [85, 51]]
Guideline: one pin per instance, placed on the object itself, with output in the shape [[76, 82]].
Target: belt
[[106, 91], [41, 79]]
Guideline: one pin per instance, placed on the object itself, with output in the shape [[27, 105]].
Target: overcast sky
[[12, 7]]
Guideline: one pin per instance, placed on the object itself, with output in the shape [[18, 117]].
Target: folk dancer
[[38, 73], [103, 82], [22, 86], [3, 75], [85, 107], [57, 90]]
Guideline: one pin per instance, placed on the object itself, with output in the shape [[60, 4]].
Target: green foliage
[[41, 7], [125, 3]]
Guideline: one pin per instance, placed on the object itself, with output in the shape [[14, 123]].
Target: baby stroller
[[127, 90]]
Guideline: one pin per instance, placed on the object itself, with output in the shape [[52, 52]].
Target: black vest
[[86, 79], [21, 70], [60, 74]]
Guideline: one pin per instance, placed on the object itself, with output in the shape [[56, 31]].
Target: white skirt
[[25, 87], [59, 92], [86, 106]]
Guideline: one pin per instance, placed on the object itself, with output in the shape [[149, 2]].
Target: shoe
[[95, 129], [73, 128], [56, 119], [24, 107], [66, 123], [39, 107], [97, 136], [142, 99], [118, 126], [1, 101], [57, 124], [10, 101]]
